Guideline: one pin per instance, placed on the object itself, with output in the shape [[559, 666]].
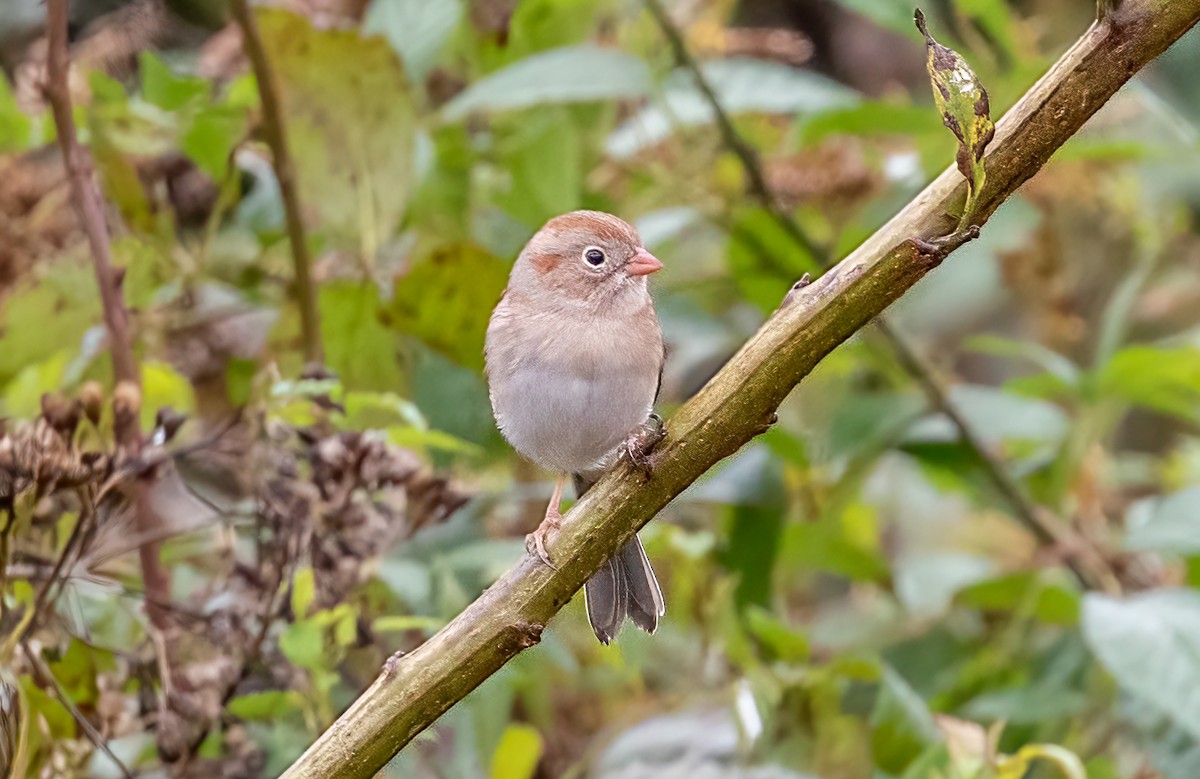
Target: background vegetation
[[849, 597]]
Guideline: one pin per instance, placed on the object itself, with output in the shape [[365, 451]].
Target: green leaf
[[304, 644], [894, 15], [1048, 360], [23, 395], [351, 123], [1165, 380], [545, 158], [1169, 524], [397, 623], [783, 642], [164, 88], [963, 104], [416, 29], [1151, 644], [53, 314], [869, 118], [359, 348], [163, 387], [754, 533], [573, 74], [901, 725], [211, 137], [1050, 600], [265, 706], [1067, 762], [517, 754], [303, 590], [418, 438], [16, 128], [433, 304], [47, 712], [847, 544], [1027, 426], [996, 19], [741, 86]]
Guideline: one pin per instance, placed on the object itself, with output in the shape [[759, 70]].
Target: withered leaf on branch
[[963, 103]]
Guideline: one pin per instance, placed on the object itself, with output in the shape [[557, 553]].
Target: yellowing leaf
[[350, 122], [517, 754], [1017, 766], [163, 387], [963, 103], [303, 589], [446, 300]]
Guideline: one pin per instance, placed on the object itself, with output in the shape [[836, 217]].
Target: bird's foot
[[535, 542], [641, 442]]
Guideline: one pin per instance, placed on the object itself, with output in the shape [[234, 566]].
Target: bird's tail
[[624, 586]]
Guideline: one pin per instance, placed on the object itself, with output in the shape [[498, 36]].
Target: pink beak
[[643, 263]]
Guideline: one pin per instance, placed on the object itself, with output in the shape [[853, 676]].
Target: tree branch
[[285, 171], [90, 206], [740, 401], [1093, 571]]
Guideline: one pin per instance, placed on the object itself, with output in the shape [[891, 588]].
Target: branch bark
[[740, 401], [285, 171], [89, 204], [1084, 560]]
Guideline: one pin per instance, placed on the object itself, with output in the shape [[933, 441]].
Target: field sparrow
[[574, 362]]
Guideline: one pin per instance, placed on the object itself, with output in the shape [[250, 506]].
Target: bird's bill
[[643, 263]]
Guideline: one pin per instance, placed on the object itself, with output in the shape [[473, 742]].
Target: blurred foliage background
[[847, 598]]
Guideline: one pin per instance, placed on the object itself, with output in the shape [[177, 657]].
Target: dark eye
[[594, 256]]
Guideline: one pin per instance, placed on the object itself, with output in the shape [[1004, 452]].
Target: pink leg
[[535, 542]]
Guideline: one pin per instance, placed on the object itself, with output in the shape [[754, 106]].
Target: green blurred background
[[848, 597]]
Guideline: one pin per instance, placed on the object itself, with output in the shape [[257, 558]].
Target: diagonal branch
[[740, 401], [1093, 571]]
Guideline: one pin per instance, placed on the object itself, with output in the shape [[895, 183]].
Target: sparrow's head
[[587, 257]]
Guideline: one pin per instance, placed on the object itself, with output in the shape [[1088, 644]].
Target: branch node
[[937, 249], [794, 292], [527, 634], [392, 663]]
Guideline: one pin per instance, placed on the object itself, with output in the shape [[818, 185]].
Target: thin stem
[[285, 172], [46, 678], [1091, 568], [90, 206], [1041, 522], [732, 138]]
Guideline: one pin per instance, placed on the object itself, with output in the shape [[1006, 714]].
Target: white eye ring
[[594, 256]]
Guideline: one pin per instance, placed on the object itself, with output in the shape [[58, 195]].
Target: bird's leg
[[535, 542], [641, 443]]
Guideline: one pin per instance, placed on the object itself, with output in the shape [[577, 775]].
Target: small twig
[[1092, 569], [744, 152], [46, 677], [1043, 524], [285, 172], [90, 207]]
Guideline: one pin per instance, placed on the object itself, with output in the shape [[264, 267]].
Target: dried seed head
[[91, 397], [61, 414], [127, 403]]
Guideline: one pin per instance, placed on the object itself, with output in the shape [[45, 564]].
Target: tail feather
[[624, 587]]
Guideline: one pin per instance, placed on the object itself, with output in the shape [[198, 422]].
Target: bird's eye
[[593, 256]]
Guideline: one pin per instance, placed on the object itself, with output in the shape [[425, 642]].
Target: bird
[[573, 357]]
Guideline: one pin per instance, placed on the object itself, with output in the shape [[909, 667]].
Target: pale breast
[[565, 391]]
